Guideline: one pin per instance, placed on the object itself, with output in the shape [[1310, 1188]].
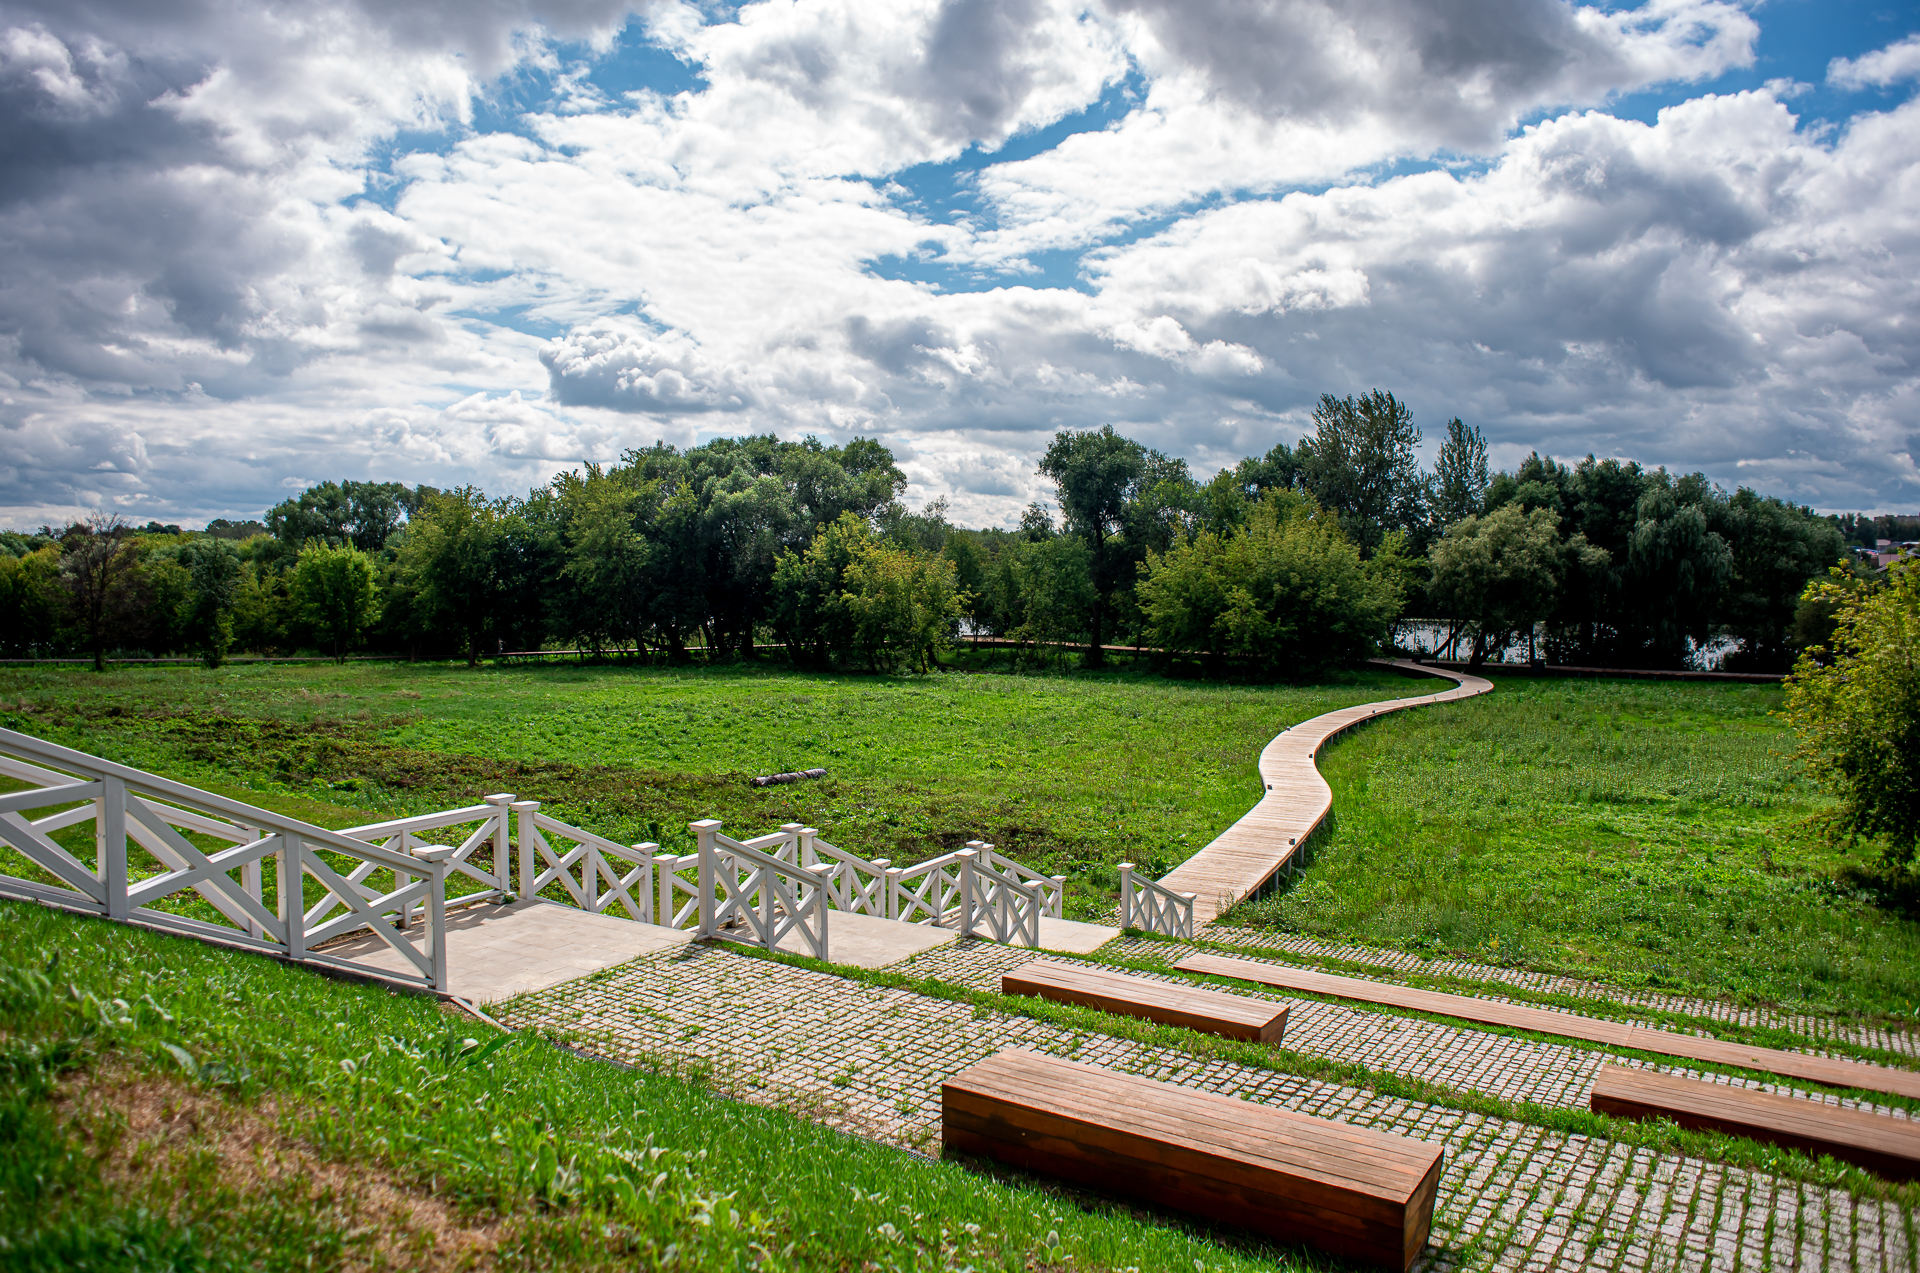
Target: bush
[[1288, 591], [1855, 703]]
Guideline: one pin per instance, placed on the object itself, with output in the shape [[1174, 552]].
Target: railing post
[[250, 881], [808, 854], [1126, 895], [1059, 907], [967, 886], [663, 872], [112, 823], [293, 894], [893, 891], [704, 832], [652, 851], [435, 860], [790, 849], [502, 842], [526, 809], [820, 908]]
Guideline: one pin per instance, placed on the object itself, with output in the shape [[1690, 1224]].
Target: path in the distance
[[1248, 853]]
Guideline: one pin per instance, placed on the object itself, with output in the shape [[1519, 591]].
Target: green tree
[[854, 598], [452, 555], [1502, 573], [1459, 474], [99, 581], [215, 574], [1360, 463], [29, 601], [1855, 704], [333, 588], [1288, 592], [1108, 486]]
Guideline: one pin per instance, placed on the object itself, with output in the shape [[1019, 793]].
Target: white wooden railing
[[748, 894], [405, 835], [595, 872], [149, 837], [1006, 908], [1151, 906]]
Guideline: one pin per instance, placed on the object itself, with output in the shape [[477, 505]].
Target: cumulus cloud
[[628, 370], [1878, 69], [253, 240]]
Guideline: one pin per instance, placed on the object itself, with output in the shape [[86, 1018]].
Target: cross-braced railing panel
[[749, 894], [1008, 909], [1152, 907], [151, 852], [594, 871], [928, 892]]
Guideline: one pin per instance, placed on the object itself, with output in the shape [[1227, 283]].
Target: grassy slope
[[1648, 833], [1070, 773], [553, 1160]]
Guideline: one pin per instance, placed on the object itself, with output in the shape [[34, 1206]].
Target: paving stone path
[[1515, 1196]]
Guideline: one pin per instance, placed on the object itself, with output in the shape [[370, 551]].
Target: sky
[[250, 246]]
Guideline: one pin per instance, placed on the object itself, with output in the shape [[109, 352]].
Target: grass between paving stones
[[1585, 1005], [1070, 774], [165, 1103], [1648, 834], [1661, 1135]]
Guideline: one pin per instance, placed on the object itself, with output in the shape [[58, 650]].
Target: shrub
[[1855, 703]]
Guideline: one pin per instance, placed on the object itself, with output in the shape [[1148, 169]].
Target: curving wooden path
[[1297, 799]]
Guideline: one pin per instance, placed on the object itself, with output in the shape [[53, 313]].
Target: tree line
[[1304, 557]]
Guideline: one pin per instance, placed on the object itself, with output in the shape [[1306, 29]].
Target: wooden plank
[[1691, 1047], [1349, 1190], [1169, 1003], [1889, 1146]]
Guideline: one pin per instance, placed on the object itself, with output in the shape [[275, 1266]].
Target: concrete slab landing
[[496, 952], [1074, 937], [867, 941]]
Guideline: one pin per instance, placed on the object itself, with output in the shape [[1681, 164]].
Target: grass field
[[166, 1105], [1648, 833], [1072, 774]]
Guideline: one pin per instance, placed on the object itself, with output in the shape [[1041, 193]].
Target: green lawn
[[168, 1105], [1649, 833], [1069, 773]]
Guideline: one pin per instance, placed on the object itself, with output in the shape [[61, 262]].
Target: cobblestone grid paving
[[1460, 1057], [871, 1060], [1808, 1025]]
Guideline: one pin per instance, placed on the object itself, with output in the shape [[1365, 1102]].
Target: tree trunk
[[1097, 657]]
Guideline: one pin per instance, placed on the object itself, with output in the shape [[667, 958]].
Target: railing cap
[[1126, 866], [705, 824], [499, 797], [792, 826], [647, 846], [525, 806], [435, 853]]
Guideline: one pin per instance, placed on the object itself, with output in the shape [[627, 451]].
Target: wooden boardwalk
[[1248, 853]]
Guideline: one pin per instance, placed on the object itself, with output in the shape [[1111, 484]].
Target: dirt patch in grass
[[163, 1138]]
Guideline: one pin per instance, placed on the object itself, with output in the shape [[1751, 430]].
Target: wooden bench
[[1890, 1146], [1361, 1194], [1170, 1003]]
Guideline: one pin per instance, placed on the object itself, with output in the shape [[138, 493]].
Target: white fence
[[285, 887], [144, 852], [1152, 906]]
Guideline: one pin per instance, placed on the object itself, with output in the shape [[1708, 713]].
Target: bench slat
[[1692, 1047], [1169, 1003], [1890, 1146], [1349, 1190]]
